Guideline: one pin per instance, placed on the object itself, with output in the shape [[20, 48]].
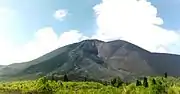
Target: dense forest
[[44, 85]]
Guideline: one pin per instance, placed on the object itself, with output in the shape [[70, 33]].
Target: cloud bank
[[45, 40], [135, 21]]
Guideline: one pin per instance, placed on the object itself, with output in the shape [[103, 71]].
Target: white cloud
[[60, 14], [6, 44], [130, 20], [70, 37], [135, 21], [45, 40]]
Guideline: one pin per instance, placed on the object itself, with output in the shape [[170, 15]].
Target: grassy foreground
[[154, 85]]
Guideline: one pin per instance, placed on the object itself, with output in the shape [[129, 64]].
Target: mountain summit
[[98, 60]]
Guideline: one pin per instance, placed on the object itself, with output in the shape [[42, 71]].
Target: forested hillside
[[144, 85]]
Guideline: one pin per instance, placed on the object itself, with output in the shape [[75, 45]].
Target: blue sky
[[29, 27], [35, 14], [168, 10]]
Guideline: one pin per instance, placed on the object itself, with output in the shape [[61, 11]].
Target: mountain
[[97, 60]]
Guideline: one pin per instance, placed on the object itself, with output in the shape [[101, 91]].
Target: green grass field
[[160, 85]]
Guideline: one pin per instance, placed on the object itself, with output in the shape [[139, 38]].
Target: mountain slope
[[98, 60]]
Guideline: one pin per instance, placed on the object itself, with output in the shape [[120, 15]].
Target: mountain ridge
[[99, 60]]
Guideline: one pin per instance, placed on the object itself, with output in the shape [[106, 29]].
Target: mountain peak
[[98, 60]]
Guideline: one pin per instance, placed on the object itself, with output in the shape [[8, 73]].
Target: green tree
[[165, 74], [66, 78], [119, 82], [85, 79], [145, 82], [153, 81], [113, 81], [52, 77], [116, 82], [138, 83]]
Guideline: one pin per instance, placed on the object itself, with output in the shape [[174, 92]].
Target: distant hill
[[98, 60]]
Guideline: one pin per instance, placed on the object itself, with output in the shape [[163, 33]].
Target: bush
[[116, 82]]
